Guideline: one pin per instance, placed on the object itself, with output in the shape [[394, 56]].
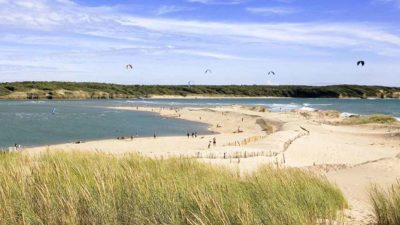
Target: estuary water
[[32, 123]]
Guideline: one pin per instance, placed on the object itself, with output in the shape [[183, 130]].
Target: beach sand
[[353, 157]]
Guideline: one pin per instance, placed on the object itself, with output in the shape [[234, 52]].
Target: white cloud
[[106, 23], [218, 2], [271, 10], [167, 9], [69, 35], [395, 2], [214, 55]]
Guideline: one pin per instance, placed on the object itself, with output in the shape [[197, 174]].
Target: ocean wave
[[278, 107], [316, 104], [347, 114], [304, 108]]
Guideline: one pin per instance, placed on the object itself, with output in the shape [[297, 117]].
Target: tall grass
[[380, 119], [83, 188], [386, 205]]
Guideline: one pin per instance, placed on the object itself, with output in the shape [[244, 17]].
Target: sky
[[305, 42]]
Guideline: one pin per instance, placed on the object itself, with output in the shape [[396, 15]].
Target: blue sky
[[312, 42]]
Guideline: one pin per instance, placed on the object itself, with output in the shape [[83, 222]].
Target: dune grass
[[377, 118], [82, 188], [386, 205]]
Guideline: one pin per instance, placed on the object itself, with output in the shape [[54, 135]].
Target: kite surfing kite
[[208, 71], [271, 73], [362, 63], [129, 67], [190, 83]]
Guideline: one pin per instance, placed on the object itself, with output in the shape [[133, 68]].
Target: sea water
[[31, 123]]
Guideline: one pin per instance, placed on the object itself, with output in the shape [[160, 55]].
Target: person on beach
[[192, 134], [214, 141], [131, 138], [154, 136], [188, 135], [195, 134], [209, 144]]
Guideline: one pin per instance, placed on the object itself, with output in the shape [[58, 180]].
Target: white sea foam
[[276, 107], [304, 108], [316, 104], [347, 114]]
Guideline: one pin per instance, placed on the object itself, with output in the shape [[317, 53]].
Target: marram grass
[[377, 118], [82, 188], [386, 205]]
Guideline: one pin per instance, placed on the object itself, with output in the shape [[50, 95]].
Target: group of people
[[131, 137], [194, 134], [214, 142]]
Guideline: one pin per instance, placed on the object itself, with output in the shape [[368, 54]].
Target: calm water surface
[[31, 123]]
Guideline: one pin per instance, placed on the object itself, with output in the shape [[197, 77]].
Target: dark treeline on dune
[[73, 90]]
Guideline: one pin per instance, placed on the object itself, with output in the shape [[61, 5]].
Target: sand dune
[[351, 156]]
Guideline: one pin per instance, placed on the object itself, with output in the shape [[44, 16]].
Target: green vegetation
[[60, 90], [386, 205], [358, 120], [82, 188]]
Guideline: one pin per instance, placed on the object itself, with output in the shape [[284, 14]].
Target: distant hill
[[72, 90]]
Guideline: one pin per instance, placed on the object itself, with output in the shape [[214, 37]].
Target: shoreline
[[3, 98], [351, 156], [149, 109]]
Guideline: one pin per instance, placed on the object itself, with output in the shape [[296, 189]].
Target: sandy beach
[[353, 157], [211, 97]]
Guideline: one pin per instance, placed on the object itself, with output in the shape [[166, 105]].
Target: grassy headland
[[83, 188], [72, 90]]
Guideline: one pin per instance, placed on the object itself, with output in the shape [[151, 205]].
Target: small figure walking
[[154, 136], [195, 134], [192, 134], [214, 141], [209, 144], [188, 135]]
